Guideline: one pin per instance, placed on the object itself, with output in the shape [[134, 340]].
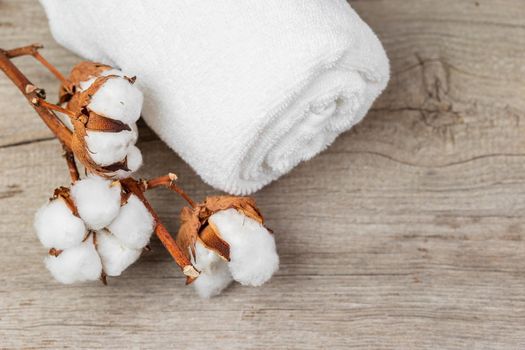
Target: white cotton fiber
[[134, 224], [134, 158], [134, 132], [134, 162], [97, 200], [214, 276], [77, 264], [118, 99], [115, 256], [252, 247], [106, 148], [57, 227]]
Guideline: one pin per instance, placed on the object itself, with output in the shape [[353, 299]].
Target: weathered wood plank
[[421, 209]]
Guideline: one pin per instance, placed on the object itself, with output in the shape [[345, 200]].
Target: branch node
[[190, 271], [40, 93], [30, 88]]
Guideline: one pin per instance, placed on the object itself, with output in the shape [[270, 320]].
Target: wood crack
[[27, 142]]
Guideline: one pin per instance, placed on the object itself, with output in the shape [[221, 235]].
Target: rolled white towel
[[241, 90]]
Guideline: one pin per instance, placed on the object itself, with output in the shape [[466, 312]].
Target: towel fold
[[242, 90]]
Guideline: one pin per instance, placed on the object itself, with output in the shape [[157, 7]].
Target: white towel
[[243, 90]]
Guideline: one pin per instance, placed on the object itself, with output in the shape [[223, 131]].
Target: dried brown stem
[[31, 92], [168, 182], [33, 51], [161, 231], [23, 51], [53, 107], [71, 165]]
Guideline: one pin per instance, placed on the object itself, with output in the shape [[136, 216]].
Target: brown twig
[[33, 51], [23, 51], [36, 98], [161, 231], [53, 107], [71, 165], [167, 181], [31, 92]]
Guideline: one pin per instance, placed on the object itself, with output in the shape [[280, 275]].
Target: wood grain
[[421, 208]]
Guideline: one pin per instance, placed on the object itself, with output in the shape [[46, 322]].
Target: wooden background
[[420, 208]]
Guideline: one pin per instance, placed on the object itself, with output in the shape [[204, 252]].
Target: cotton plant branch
[[101, 224], [162, 233], [71, 165], [168, 182], [32, 93], [36, 97], [32, 50]]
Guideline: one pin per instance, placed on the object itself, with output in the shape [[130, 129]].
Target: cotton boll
[[134, 224], [214, 276], [115, 256], [57, 227], [134, 162], [252, 247], [78, 264], [106, 148], [97, 201], [118, 99]]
